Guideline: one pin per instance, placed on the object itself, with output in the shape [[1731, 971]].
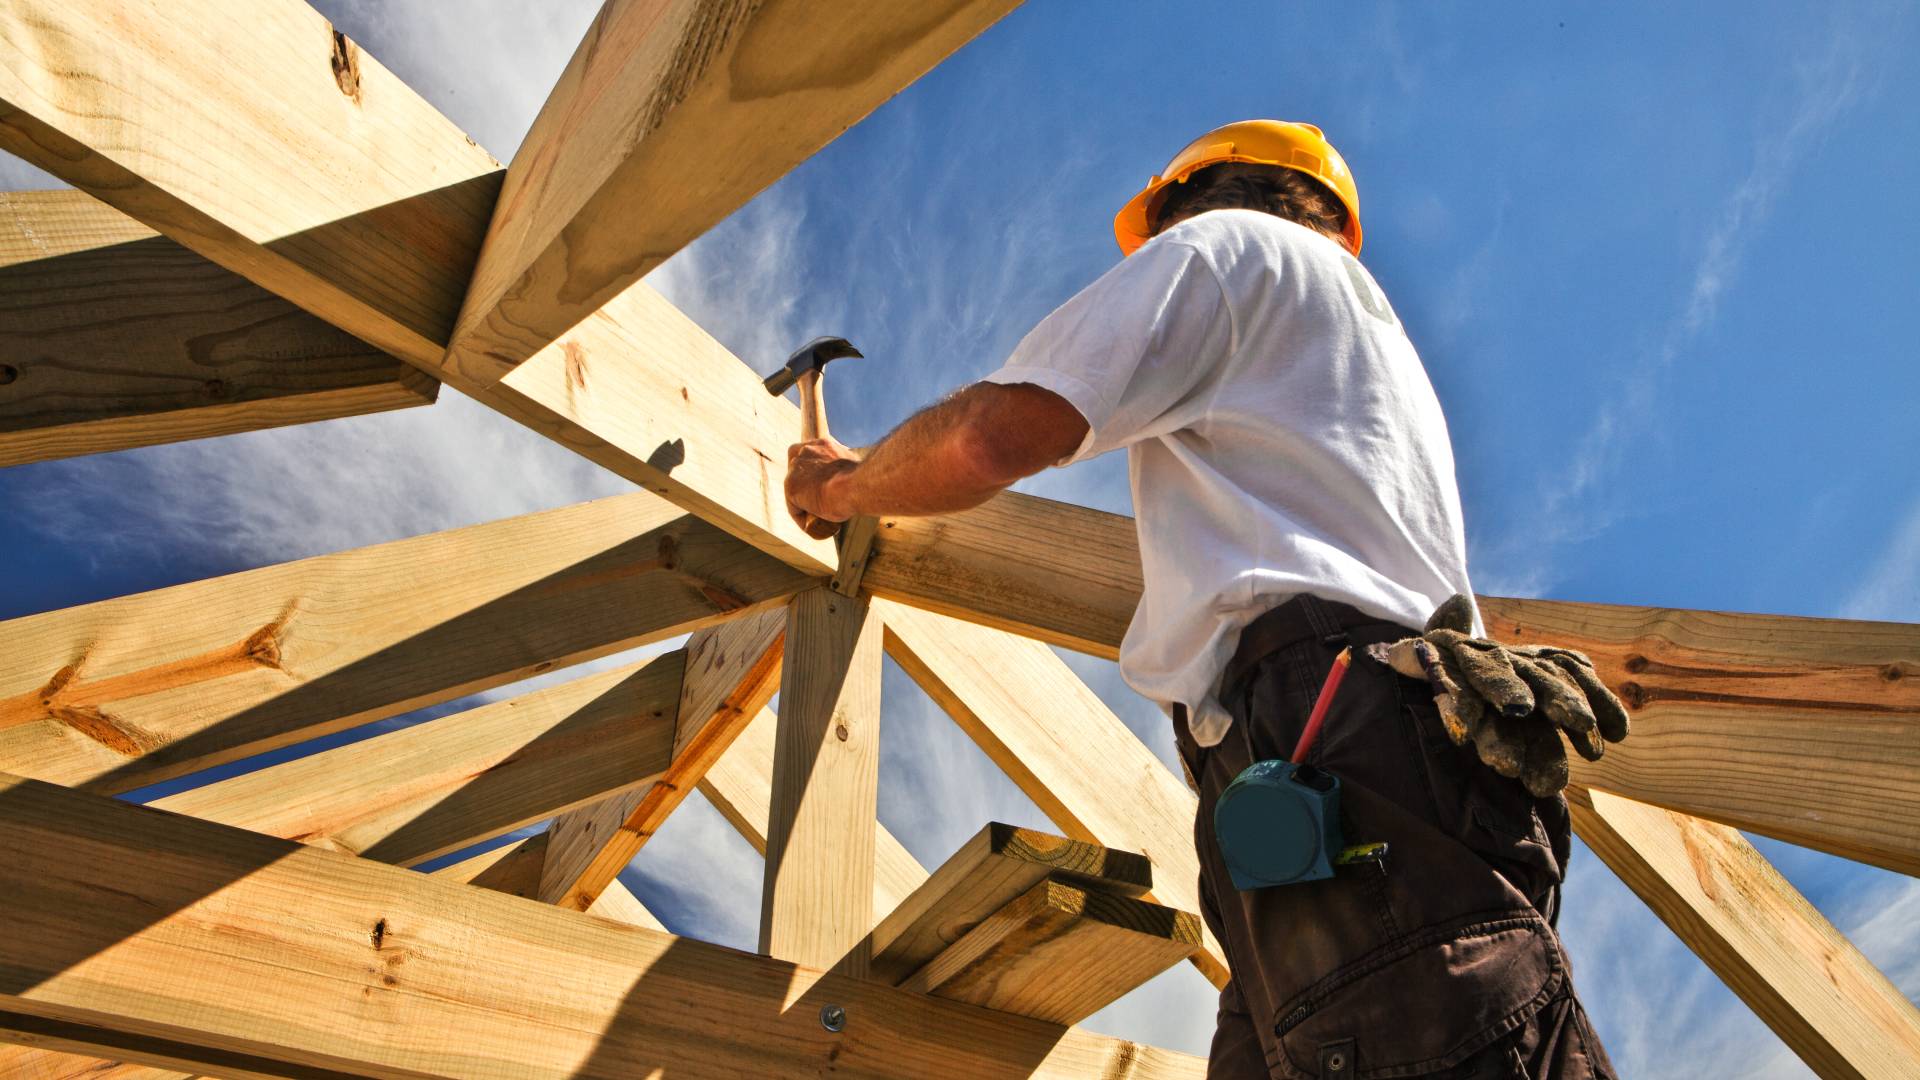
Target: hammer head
[[809, 357]]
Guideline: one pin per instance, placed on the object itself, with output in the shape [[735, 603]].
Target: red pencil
[[1320, 704]]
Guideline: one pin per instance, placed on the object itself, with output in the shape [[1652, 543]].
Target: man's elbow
[[1012, 432]]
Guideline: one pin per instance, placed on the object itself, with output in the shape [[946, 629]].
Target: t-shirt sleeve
[[1136, 351]]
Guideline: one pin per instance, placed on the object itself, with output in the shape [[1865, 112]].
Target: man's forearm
[[961, 452], [931, 464]]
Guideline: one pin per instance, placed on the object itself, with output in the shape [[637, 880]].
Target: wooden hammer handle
[[813, 407]]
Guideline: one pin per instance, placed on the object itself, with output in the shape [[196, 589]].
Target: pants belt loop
[[1320, 616]]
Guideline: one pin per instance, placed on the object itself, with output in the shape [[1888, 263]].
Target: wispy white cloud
[[1578, 503], [1881, 922], [1890, 588]]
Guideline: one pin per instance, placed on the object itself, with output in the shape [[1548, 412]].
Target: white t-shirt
[[1281, 434]]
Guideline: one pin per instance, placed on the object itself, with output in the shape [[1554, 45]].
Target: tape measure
[[1278, 822]]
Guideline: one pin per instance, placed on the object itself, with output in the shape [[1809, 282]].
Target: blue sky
[[1659, 260]]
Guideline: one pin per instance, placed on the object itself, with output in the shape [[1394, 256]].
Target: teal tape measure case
[[1278, 823]]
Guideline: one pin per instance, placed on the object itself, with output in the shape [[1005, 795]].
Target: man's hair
[[1286, 193]]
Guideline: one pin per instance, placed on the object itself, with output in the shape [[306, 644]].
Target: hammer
[[804, 368]]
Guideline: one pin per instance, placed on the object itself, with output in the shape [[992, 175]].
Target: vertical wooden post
[[817, 904]]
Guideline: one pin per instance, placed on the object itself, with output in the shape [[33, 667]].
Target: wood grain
[[1803, 729], [816, 904], [1764, 940], [998, 864], [423, 791], [112, 336], [645, 392], [740, 784], [250, 132], [148, 934], [1064, 574], [731, 670], [31, 1063], [1060, 744], [687, 109], [1060, 953], [1807, 730], [514, 869], [253, 133], [124, 692]]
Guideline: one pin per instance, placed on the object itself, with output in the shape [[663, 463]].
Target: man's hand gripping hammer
[[804, 369]]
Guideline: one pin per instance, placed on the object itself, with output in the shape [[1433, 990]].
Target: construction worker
[[1294, 488]]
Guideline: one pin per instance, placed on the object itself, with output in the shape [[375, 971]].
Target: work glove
[[1512, 703]]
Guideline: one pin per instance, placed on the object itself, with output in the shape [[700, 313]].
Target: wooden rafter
[[1764, 940], [114, 336], [319, 176], [746, 91], [124, 692], [384, 250], [411, 795], [1724, 704], [730, 672], [253, 133], [288, 157], [156, 938], [514, 869]]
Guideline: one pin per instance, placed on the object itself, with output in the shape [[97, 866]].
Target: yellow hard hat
[[1259, 142]]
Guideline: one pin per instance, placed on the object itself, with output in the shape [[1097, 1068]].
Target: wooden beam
[[817, 901], [1061, 953], [740, 784], [1064, 574], [30, 1063], [1764, 940], [252, 133], [255, 134], [642, 390], [124, 692], [142, 935], [1724, 704], [423, 791], [515, 869], [731, 671], [372, 798], [686, 109], [987, 873], [114, 337], [505, 869], [1060, 744]]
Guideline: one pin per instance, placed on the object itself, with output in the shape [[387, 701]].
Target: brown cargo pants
[[1440, 960]]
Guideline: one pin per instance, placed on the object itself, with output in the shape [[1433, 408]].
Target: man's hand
[[818, 506], [946, 458]]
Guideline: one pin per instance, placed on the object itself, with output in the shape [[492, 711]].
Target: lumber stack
[[1030, 923]]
